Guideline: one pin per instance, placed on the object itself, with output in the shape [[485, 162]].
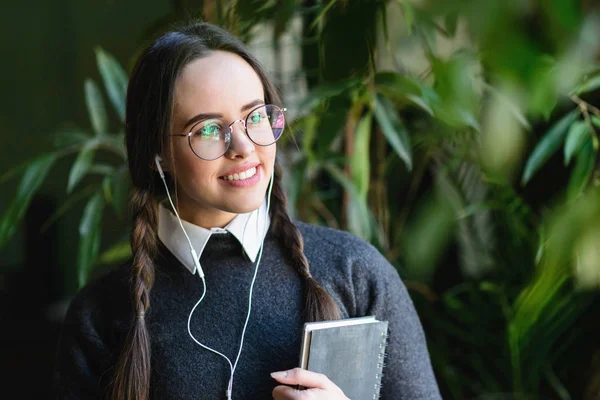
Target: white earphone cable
[[196, 260]]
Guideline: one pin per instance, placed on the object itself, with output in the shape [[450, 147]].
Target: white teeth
[[242, 175]]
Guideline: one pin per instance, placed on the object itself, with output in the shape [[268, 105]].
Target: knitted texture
[[358, 277]]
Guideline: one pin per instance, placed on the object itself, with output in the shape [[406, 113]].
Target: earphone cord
[[232, 368]]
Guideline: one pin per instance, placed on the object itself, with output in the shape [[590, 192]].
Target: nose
[[241, 146]]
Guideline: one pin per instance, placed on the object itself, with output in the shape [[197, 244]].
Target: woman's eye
[[209, 131], [257, 118]]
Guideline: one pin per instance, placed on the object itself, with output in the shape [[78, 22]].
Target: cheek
[[268, 154]]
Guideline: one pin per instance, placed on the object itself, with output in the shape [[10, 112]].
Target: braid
[[132, 376], [319, 305]]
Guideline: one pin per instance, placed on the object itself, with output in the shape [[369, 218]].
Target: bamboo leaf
[[450, 22], [409, 15], [69, 137], [31, 181], [95, 107], [117, 253], [360, 160], [106, 189], [325, 91], [581, 174], [89, 233], [120, 185], [360, 219], [547, 146], [322, 14], [115, 81], [398, 87], [393, 129], [67, 204], [590, 85], [578, 132], [81, 166]]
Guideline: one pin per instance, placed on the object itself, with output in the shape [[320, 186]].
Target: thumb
[[299, 376]]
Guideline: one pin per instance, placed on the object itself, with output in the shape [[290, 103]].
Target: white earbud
[[157, 161]]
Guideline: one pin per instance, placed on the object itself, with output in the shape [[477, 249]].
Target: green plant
[[109, 178], [431, 137]]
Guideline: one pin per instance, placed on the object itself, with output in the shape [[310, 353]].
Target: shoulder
[[340, 246], [351, 268], [104, 298]]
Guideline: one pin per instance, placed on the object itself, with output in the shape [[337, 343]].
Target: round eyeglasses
[[210, 138]]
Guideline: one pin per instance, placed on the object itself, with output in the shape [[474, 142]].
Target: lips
[[242, 175], [242, 172]]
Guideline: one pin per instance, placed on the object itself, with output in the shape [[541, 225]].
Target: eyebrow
[[203, 116]]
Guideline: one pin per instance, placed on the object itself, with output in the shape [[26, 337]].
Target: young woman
[[221, 281]]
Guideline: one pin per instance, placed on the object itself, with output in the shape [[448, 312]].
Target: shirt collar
[[170, 233]]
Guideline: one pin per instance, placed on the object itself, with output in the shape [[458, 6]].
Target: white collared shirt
[[170, 233]]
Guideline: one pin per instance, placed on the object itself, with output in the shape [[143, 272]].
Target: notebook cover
[[351, 356]]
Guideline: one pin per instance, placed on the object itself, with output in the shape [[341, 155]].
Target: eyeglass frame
[[243, 121]]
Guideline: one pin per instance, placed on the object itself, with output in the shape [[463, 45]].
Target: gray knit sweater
[[357, 276]]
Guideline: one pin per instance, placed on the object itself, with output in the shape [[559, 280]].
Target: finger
[[285, 393], [288, 393], [299, 376]]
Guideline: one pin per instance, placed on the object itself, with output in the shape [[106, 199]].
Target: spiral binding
[[381, 363]]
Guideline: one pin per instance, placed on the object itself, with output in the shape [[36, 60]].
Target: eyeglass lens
[[210, 138]]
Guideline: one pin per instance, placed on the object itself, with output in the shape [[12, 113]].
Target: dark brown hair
[[148, 120]]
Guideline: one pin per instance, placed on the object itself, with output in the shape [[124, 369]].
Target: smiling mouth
[[240, 176]]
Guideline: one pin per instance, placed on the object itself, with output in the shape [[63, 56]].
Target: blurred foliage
[[458, 136]]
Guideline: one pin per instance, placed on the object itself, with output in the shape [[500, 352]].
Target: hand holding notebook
[[349, 352], [321, 386]]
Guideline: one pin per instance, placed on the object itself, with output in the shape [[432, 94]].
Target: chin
[[246, 207]]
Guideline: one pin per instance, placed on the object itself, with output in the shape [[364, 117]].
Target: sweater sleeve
[[408, 374], [84, 359]]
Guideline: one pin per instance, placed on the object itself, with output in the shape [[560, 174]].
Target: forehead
[[221, 82]]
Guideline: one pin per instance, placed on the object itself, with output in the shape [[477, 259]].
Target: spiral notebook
[[350, 352]]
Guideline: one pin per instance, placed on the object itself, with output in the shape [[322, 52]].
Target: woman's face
[[224, 84]]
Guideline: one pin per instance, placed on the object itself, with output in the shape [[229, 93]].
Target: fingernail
[[280, 374]]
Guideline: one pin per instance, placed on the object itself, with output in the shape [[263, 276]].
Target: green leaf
[[96, 108], [584, 167], [590, 85], [285, 11], [393, 129], [360, 219], [69, 137], [89, 233], [325, 91], [399, 87], [115, 81], [322, 14], [450, 22], [68, 204], [30, 183], [548, 145], [117, 253], [106, 189], [120, 185], [81, 166], [578, 132], [360, 160], [409, 15]]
